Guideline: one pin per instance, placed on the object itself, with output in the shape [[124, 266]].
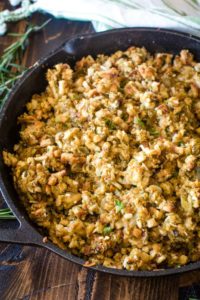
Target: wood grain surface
[[31, 273]]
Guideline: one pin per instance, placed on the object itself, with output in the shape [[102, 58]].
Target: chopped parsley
[[123, 83], [124, 116], [140, 123], [107, 230], [180, 143], [175, 174], [110, 124], [119, 205], [76, 96], [154, 132]]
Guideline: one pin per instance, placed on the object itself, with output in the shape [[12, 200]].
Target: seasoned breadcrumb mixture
[[108, 161]]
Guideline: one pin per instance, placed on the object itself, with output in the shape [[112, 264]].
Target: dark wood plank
[[31, 273], [52, 36], [35, 273], [190, 278], [112, 287]]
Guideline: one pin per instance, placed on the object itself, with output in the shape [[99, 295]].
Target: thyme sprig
[[11, 69]]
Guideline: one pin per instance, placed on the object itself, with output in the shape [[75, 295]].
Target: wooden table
[[30, 273]]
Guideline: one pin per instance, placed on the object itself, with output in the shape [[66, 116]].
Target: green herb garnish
[[119, 205], [107, 230], [154, 132], [76, 96], [123, 83], [110, 124], [140, 123], [175, 174], [180, 143]]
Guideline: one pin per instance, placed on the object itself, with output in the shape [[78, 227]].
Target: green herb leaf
[[6, 214], [7, 217], [154, 132], [180, 143], [175, 174], [107, 230], [119, 205], [76, 96], [110, 124], [123, 83], [140, 123]]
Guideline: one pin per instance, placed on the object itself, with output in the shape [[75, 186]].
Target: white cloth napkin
[[106, 14]]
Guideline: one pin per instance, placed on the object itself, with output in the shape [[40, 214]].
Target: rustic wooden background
[[31, 273]]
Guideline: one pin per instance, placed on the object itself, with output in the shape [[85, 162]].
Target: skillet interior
[[155, 40]]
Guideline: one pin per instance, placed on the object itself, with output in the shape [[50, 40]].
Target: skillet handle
[[19, 232]]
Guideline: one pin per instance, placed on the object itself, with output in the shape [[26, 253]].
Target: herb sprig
[[11, 70], [6, 213]]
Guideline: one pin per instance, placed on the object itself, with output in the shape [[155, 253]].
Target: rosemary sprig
[[11, 69], [6, 213]]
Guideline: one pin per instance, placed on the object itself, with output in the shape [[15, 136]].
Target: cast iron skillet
[[155, 40]]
